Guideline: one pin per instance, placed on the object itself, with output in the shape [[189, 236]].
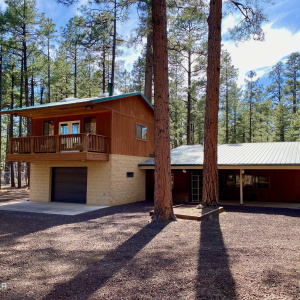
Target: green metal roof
[[77, 101], [246, 154]]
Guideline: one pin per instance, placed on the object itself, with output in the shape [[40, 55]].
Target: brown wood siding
[[133, 107], [117, 121], [181, 188], [124, 139], [284, 186]]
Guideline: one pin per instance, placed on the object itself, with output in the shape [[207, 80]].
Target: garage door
[[69, 185]]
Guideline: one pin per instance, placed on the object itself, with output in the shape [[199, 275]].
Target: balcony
[[71, 147]]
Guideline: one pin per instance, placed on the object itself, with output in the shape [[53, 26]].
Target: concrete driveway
[[66, 209]]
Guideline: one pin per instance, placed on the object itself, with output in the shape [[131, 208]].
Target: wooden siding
[[283, 186], [116, 119], [181, 187], [124, 139], [132, 107]]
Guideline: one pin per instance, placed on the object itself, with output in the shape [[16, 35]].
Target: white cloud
[[3, 5], [253, 55]]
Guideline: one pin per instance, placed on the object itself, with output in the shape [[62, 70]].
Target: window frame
[[70, 125], [136, 132], [48, 122]]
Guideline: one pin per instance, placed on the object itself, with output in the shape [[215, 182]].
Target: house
[[270, 172], [87, 150]]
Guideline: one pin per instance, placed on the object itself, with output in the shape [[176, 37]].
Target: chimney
[[110, 89]]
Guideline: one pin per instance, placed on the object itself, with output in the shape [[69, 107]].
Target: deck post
[[32, 148], [57, 144], [241, 187]]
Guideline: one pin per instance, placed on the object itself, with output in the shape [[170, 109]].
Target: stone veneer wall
[[107, 183]]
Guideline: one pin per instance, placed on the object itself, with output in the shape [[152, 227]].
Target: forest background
[[41, 63]]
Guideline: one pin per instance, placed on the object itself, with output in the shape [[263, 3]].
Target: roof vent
[[68, 99]]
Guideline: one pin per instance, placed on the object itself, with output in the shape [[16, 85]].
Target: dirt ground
[[117, 253], [12, 195]]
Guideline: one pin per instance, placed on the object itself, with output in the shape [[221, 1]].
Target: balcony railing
[[82, 142]]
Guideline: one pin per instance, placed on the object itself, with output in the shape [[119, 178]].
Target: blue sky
[[282, 35], [282, 38]]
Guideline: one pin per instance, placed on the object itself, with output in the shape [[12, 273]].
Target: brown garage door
[[69, 185]]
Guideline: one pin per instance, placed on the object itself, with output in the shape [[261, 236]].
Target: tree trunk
[[210, 164], [188, 126], [75, 72], [227, 106], [11, 126], [0, 110], [48, 71], [149, 64], [112, 79], [20, 119], [163, 209], [103, 71]]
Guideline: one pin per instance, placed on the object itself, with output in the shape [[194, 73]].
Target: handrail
[[82, 142]]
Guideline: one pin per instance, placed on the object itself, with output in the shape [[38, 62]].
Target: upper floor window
[[48, 128], [141, 132], [90, 125], [71, 127]]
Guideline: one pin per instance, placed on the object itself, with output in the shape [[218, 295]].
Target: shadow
[[263, 210], [214, 279], [84, 284], [15, 224]]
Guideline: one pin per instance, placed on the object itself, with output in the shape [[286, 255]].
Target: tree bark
[[189, 100], [11, 126], [163, 209], [149, 65], [112, 79], [0, 110], [48, 70], [210, 165], [20, 119]]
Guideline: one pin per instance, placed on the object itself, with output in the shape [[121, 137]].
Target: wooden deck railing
[[82, 142]]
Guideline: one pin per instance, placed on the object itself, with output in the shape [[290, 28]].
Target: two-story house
[[87, 150]]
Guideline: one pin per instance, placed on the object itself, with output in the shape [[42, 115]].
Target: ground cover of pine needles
[[117, 253]]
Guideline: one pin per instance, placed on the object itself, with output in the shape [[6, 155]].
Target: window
[[90, 125], [129, 174], [71, 127], [255, 181], [261, 181], [230, 181], [48, 128], [141, 132]]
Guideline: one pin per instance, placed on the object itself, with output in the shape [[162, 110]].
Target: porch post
[[241, 187]]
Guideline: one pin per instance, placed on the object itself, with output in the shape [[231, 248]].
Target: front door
[[70, 142]]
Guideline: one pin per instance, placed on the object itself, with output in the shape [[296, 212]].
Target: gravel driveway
[[116, 253]]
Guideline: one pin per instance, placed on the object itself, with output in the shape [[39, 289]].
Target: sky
[[282, 35]]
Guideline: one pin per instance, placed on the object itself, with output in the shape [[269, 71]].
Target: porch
[[72, 147]]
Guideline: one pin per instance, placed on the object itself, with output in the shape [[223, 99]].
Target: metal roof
[[246, 154], [77, 101]]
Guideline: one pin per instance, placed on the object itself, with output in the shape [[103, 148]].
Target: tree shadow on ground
[[214, 280], [14, 224], [85, 283], [263, 210]]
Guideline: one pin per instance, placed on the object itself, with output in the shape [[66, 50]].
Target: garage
[[69, 184]]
